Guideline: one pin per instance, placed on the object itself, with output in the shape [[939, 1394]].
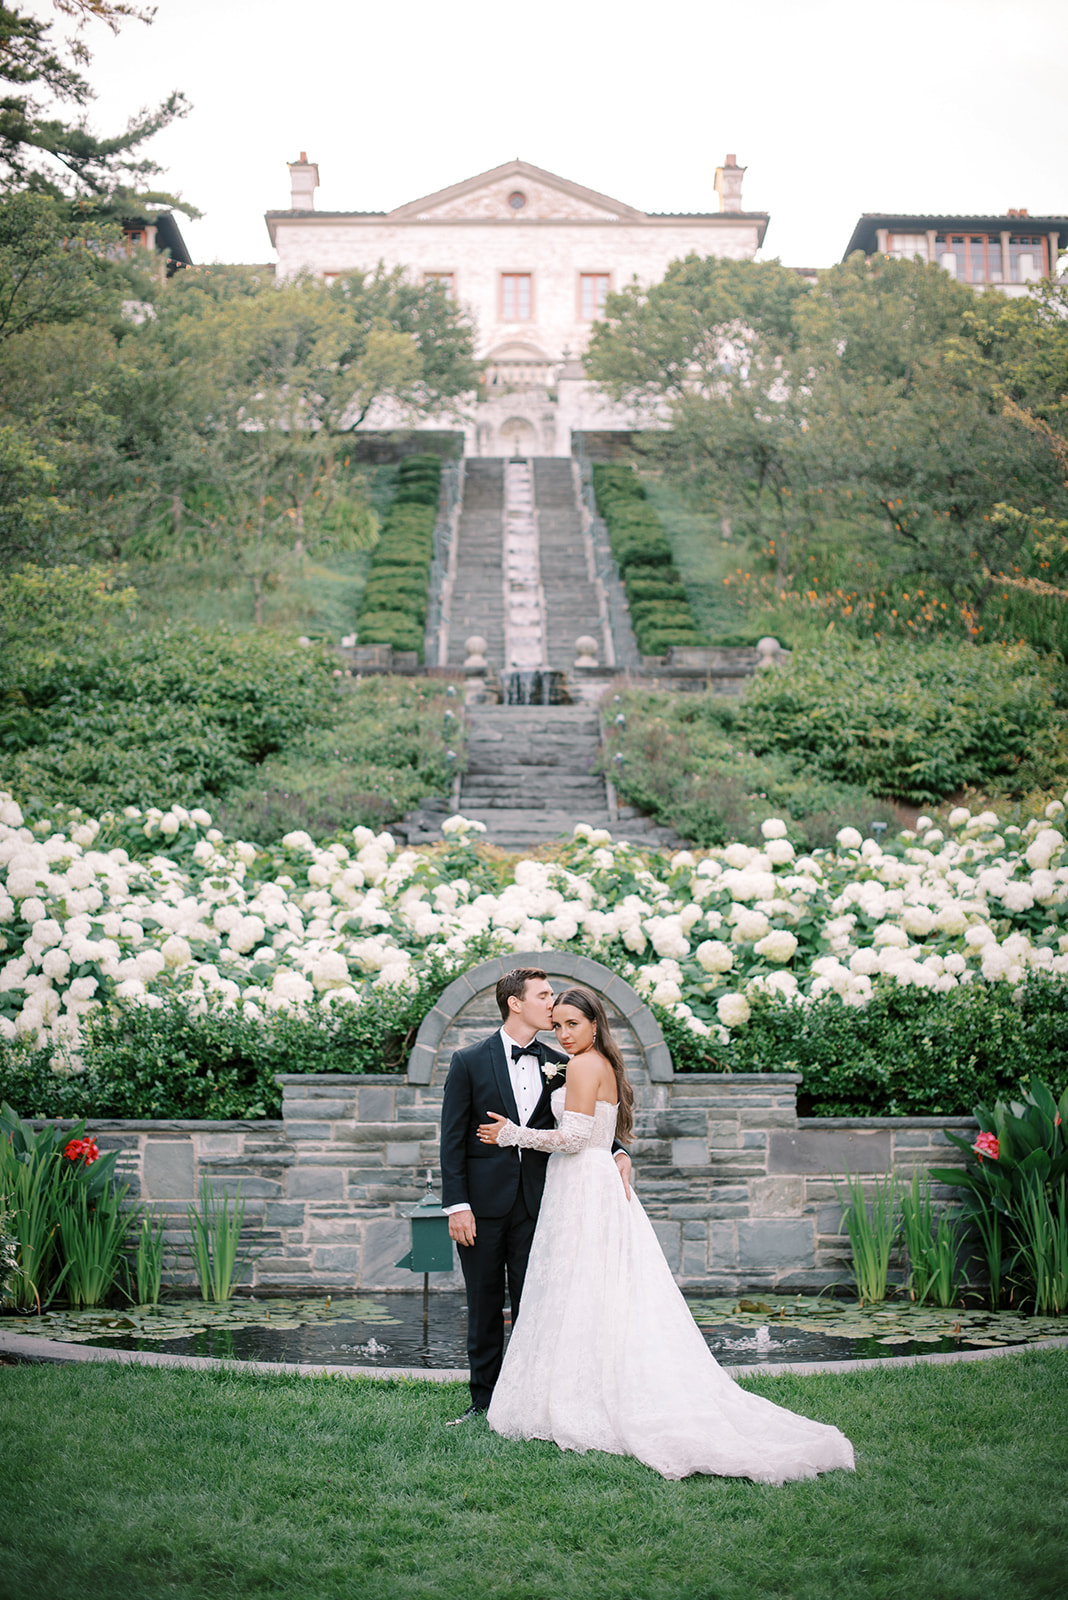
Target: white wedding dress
[[605, 1354]]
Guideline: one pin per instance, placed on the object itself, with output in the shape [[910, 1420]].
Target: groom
[[492, 1193]]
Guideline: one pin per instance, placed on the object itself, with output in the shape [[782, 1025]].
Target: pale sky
[[836, 107]]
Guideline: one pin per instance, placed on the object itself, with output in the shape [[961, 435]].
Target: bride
[[605, 1354]]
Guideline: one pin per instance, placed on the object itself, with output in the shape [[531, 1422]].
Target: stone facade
[[567, 243], [741, 1191]]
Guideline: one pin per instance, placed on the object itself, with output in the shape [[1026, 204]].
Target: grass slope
[[140, 1483], [704, 559]]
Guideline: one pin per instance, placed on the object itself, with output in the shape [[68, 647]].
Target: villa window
[[517, 296], [593, 292], [446, 279], [907, 246], [976, 257]]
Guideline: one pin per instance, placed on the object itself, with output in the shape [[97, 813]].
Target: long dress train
[[605, 1354]]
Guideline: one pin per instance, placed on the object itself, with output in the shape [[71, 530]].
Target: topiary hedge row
[[659, 609], [394, 602]]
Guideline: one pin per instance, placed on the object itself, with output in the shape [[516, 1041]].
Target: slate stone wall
[[740, 1191]]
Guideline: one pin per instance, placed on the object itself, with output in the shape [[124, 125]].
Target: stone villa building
[[532, 257]]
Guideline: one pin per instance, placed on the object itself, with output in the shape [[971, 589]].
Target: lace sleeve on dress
[[570, 1137]]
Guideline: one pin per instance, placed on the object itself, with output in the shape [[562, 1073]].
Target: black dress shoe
[[472, 1411]]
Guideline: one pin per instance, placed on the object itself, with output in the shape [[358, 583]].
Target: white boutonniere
[[552, 1068]]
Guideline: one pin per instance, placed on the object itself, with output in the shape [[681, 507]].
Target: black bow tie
[[535, 1048]]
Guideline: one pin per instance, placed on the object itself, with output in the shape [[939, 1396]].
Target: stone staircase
[[478, 591], [530, 774], [571, 602]]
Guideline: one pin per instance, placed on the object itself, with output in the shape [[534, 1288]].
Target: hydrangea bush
[[156, 908]]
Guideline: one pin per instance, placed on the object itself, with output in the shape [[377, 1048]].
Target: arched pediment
[[467, 1011], [517, 351]]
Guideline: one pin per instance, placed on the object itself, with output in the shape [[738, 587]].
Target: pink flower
[[986, 1145]]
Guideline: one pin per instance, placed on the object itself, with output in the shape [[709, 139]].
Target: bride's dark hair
[[592, 1009]]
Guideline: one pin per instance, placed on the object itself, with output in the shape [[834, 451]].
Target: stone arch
[[467, 1011], [519, 436]]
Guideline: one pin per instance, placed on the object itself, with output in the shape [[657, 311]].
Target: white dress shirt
[[525, 1074]]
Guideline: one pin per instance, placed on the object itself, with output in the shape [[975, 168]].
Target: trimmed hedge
[[393, 606], [659, 609]]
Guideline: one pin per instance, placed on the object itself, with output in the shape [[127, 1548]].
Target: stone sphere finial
[[586, 647], [769, 650], [476, 654]]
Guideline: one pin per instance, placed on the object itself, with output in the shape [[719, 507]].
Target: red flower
[[986, 1145], [82, 1150]]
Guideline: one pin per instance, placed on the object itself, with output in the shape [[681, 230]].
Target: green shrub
[[917, 721], [655, 585], [182, 714], [909, 1052], [684, 764], [30, 1081], [218, 1064], [397, 628], [417, 492], [652, 552]]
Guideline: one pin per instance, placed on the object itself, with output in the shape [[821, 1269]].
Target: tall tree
[[44, 151]]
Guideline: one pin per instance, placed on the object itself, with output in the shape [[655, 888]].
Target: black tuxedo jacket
[[487, 1177]]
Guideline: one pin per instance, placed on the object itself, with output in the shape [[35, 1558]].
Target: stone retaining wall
[[740, 1191]]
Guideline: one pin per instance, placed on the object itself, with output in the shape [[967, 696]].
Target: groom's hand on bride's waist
[[462, 1227]]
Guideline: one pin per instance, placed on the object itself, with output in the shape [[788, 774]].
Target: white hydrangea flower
[[201, 817], [890, 933], [849, 838], [683, 858], [176, 952], [951, 919], [979, 936], [246, 935], [714, 956], [738, 856], [749, 925], [299, 840], [1046, 843], [779, 945], [864, 962], [733, 1010], [56, 963], [773, 828], [779, 852], [917, 920], [1018, 896]]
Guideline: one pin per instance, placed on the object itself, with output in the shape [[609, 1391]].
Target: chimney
[[304, 180], [729, 184]]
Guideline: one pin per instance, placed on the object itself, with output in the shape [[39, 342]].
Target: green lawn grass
[[135, 1483]]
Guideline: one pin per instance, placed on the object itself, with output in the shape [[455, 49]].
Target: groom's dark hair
[[515, 983]]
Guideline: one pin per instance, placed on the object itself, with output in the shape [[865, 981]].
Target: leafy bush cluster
[[913, 721], [659, 610], [184, 711], [684, 760], [909, 1052], [385, 747], [216, 1063], [394, 604]]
